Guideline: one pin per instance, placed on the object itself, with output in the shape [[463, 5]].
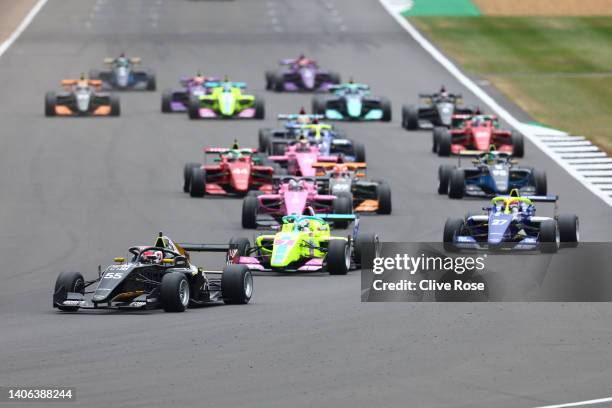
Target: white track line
[[22, 26], [534, 133], [578, 404]]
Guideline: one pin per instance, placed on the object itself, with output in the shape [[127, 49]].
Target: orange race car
[[81, 97]]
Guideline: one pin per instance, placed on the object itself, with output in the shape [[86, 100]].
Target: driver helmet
[[514, 207], [443, 92], [152, 257], [304, 226], [303, 145], [235, 145], [340, 170], [294, 185]]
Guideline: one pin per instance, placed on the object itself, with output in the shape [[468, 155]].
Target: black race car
[[436, 109], [158, 276]]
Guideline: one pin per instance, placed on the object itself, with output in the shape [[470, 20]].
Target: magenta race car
[[292, 196], [178, 100], [300, 74], [299, 157]]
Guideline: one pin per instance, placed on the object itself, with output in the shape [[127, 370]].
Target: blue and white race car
[[352, 102], [123, 75]]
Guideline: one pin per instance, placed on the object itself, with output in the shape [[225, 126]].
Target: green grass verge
[[559, 69]]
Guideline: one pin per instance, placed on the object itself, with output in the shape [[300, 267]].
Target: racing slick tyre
[[385, 106], [270, 80], [410, 117], [254, 193], [94, 74], [279, 83], [278, 170], [436, 137], [345, 194], [452, 227], [359, 152], [539, 182], [242, 245], [166, 104], [72, 282], [518, 145], [187, 171], [383, 194], [338, 259], [264, 136], [197, 185], [365, 244], [334, 78], [115, 107], [250, 207], [236, 284], [174, 292], [444, 142], [151, 81], [456, 185], [194, 107], [260, 109], [318, 105], [50, 102], [342, 205], [568, 230], [548, 236], [444, 173]]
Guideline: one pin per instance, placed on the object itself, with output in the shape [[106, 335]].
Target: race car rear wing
[[294, 116], [204, 247], [222, 150]]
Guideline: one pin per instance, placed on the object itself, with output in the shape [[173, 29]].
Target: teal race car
[[352, 102]]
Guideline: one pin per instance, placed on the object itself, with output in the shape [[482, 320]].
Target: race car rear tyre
[[187, 171], [338, 259], [436, 137], [254, 193], [260, 109], [383, 194], [50, 103], [174, 292], [410, 117], [151, 81], [194, 107], [548, 236], [359, 152], [334, 78], [318, 105], [270, 80], [197, 185], [236, 284], [444, 142], [444, 173], [72, 282], [94, 74], [568, 230], [385, 106], [166, 104], [518, 145], [539, 182], [279, 83], [242, 244], [452, 227], [250, 207], [342, 205], [115, 107], [365, 244], [456, 185], [264, 137]]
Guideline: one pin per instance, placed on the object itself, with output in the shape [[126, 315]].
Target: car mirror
[[167, 261]]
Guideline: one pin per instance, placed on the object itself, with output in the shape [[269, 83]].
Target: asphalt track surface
[[77, 192]]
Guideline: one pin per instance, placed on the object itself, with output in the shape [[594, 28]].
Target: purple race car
[[178, 100], [301, 74]]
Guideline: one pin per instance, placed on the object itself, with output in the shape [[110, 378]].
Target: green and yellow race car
[[304, 244], [226, 100]]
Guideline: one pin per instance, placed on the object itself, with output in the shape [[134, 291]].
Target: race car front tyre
[[197, 185], [452, 228], [436, 137], [548, 236], [444, 173], [166, 104], [50, 103], [151, 81], [359, 152], [115, 107], [383, 194], [270, 80], [539, 182], [518, 145], [568, 230], [236, 284], [187, 171], [242, 245], [71, 282], [410, 117], [385, 106], [264, 136], [342, 205], [250, 207], [174, 292], [365, 245], [456, 186], [260, 109], [338, 259], [444, 142], [194, 107]]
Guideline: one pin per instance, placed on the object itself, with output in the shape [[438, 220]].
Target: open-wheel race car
[[300, 74], [123, 74], [476, 133], [492, 173], [304, 243], [299, 156], [292, 196], [510, 223], [156, 276], [226, 100], [352, 102], [178, 100], [436, 109], [81, 97]]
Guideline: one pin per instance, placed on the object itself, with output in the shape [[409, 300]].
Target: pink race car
[[300, 156], [292, 196]]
